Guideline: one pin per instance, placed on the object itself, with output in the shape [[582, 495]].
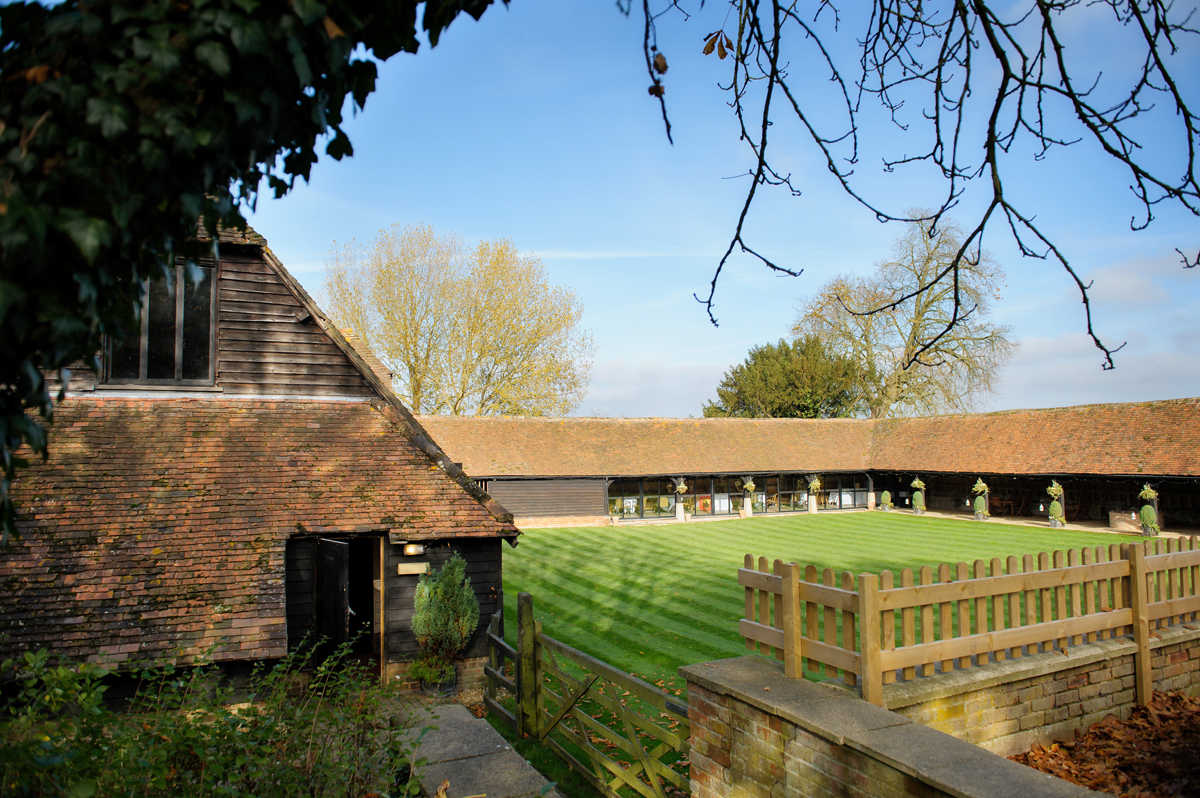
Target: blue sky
[[534, 124]]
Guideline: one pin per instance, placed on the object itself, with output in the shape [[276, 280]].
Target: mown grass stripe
[[651, 598]]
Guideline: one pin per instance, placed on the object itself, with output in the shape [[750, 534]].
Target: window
[[175, 343]]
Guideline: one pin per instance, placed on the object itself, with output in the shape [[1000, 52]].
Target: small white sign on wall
[[412, 568]]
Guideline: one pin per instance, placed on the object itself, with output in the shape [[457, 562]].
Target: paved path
[[473, 757]]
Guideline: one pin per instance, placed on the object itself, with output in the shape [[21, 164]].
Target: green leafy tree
[[798, 379], [123, 125]]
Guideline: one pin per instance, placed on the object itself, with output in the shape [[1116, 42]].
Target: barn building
[[558, 471], [238, 477]]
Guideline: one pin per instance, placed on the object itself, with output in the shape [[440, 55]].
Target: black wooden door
[[331, 600]]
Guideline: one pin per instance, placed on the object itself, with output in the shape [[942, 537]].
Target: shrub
[[918, 497], [183, 736], [445, 614], [980, 490], [1056, 511], [885, 499], [1149, 518]]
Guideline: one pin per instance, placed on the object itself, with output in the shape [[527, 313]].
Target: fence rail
[[633, 736], [869, 629]]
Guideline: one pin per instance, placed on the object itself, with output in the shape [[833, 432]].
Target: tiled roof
[[368, 355], [1152, 438], [554, 447], [157, 527]]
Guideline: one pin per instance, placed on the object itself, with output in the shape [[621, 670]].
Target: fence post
[[526, 667], [1142, 667], [868, 605], [791, 622]]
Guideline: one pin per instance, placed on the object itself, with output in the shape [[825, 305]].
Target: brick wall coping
[[932, 757], [946, 685]]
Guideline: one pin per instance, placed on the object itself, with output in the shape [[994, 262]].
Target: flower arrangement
[[748, 486], [1057, 518], [980, 489], [1147, 515], [814, 482], [918, 497], [681, 488]]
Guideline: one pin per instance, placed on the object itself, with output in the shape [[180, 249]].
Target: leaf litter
[[1154, 754]]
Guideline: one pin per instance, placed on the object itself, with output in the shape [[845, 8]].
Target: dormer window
[[176, 344]]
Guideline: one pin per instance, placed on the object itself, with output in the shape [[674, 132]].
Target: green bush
[[885, 499], [323, 733], [981, 505], [445, 614], [918, 500], [1056, 512], [1149, 518]]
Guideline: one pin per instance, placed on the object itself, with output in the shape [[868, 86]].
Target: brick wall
[[468, 670], [756, 733], [1006, 707]]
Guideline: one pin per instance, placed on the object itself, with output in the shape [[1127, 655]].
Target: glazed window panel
[[172, 341]]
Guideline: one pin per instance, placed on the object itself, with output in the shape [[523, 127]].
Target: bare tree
[[898, 373], [970, 80], [466, 331]]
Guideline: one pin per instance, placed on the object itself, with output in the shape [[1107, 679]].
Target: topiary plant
[[1056, 511], [980, 489], [445, 615], [885, 500], [1148, 516], [918, 497]]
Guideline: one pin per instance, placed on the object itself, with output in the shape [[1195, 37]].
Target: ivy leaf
[[110, 115], [89, 234], [309, 11], [213, 56]]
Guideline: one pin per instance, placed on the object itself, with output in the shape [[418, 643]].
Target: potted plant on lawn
[[1149, 512], [1057, 519], [885, 501], [918, 497], [445, 615], [980, 489]]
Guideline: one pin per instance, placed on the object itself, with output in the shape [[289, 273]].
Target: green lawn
[[648, 599]]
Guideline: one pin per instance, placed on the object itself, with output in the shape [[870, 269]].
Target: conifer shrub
[[980, 489], [445, 615], [1147, 515], [885, 500]]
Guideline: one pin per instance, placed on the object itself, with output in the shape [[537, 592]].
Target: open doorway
[[335, 593]]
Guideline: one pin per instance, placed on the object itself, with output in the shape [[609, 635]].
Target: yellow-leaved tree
[[922, 343], [466, 331]]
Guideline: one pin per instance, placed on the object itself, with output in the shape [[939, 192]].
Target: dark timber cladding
[[483, 558], [550, 497], [267, 342]]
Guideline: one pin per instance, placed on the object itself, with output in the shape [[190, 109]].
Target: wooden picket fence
[[623, 735], [872, 631]]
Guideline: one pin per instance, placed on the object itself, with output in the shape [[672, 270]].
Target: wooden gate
[[633, 735]]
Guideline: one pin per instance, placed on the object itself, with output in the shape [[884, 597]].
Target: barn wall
[[263, 347], [299, 587], [483, 558], [533, 498]]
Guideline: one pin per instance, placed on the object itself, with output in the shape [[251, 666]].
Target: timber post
[[869, 628], [526, 667], [1142, 663], [792, 635]]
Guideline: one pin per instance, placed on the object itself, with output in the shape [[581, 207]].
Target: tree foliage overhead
[[910, 359], [124, 123], [968, 87], [466, 331], [798, 379]]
